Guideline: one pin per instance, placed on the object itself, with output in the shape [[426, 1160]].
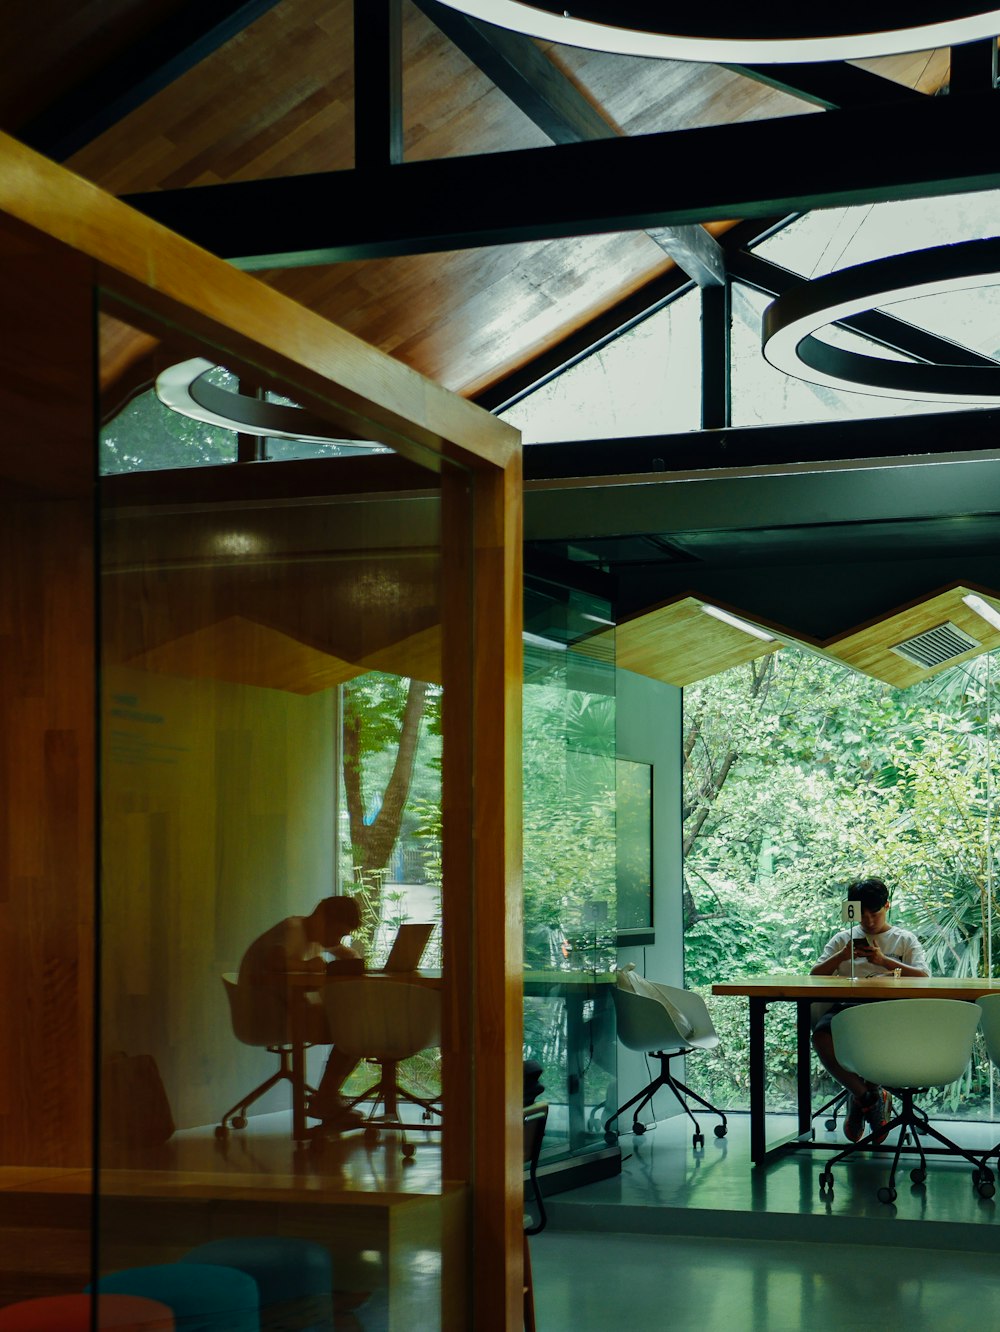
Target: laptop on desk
[[408, 948]]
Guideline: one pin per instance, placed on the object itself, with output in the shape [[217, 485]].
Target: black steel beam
[[716, 359], [522, 71], [876, 325], [934, 146], [973, 68], [894, 437], [829, 83], [378, 83], [148, 65], [524, 74]]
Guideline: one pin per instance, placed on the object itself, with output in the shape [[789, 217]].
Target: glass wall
[[802, 775], [570, 882], [271, 684]]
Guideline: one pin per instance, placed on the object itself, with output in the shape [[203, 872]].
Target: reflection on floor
[[688, 1241], [264, 1153]]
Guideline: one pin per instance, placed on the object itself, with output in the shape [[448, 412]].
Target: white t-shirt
[[894, 943]]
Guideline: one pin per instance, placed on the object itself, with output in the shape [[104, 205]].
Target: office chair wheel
[[886, 1194], [697, 1140], [239, 1121], [918, 1175], [221, 1131], [826, 1183], [370, 1135], [721, 1130], [830, 1125], [610, 1137], [983, 1180], [638, 1128], [408, 1149]]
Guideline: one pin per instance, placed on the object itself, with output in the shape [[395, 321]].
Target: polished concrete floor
[[700, 1240]]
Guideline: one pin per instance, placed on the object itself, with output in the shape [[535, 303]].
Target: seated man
[[298, 944], [890, 950]]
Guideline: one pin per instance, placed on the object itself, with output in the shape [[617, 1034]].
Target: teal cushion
[[283, 1266], [203, 1298]]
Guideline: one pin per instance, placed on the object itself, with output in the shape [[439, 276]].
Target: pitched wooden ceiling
[[148, 95], [174, 100]]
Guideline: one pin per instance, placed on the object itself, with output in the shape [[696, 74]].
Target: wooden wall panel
[[46, 706]]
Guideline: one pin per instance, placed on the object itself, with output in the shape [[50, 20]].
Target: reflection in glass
[[569, 864], [271, 688]]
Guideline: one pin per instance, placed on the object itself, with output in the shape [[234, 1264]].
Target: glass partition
[[570, 879], [271, 688]]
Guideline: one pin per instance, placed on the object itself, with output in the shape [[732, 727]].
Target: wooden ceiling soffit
[[677, 643], [241, 651], [930, 146], [417, 657], [870, 649], [680, 644]]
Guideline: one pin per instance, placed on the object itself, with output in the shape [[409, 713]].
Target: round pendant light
[[187, 389], [791, 322], [780, 31]]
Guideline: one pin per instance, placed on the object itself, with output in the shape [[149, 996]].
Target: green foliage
[[146, 436], [802, 775]]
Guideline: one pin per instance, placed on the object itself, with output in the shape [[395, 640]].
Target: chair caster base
[[221, 1131], [983, 1180], [239, 1121], [826, 1184], [721, 1130], [886, 1194]]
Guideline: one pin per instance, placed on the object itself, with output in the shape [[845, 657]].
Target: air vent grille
[[935, 646]]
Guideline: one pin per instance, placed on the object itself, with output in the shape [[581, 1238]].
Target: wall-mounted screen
[[634, 851]]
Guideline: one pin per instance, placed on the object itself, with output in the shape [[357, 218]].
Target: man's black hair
[[871, 893]]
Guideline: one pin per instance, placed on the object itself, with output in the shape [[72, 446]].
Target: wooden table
[[804, 991]]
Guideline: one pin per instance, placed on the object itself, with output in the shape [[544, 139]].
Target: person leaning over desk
[[298, 943], [879, 949]]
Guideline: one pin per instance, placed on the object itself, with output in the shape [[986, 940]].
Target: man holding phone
[[878, 949]]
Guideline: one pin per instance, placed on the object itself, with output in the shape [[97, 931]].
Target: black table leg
[[758, 1133], [804, 1064]]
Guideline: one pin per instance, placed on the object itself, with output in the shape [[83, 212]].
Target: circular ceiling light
[[185, 388], [727, 32], [791, 322]]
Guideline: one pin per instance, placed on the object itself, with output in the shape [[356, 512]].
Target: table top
[[841, 988]]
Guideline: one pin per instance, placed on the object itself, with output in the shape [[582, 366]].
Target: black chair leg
[[680, 1092], [912, 1121]]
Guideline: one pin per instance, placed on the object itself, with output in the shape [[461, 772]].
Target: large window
[[803, 774]]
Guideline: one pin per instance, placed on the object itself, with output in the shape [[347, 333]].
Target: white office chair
[[259, 1018], [646, 1024], [906, 1046], [386, 1021]]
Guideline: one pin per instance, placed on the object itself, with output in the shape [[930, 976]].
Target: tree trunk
[[372, 844]]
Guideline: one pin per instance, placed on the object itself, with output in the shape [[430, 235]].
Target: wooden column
[[47, 733], [483, 909]]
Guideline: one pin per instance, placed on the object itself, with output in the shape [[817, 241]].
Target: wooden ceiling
[[277, 99], [145, 97]]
